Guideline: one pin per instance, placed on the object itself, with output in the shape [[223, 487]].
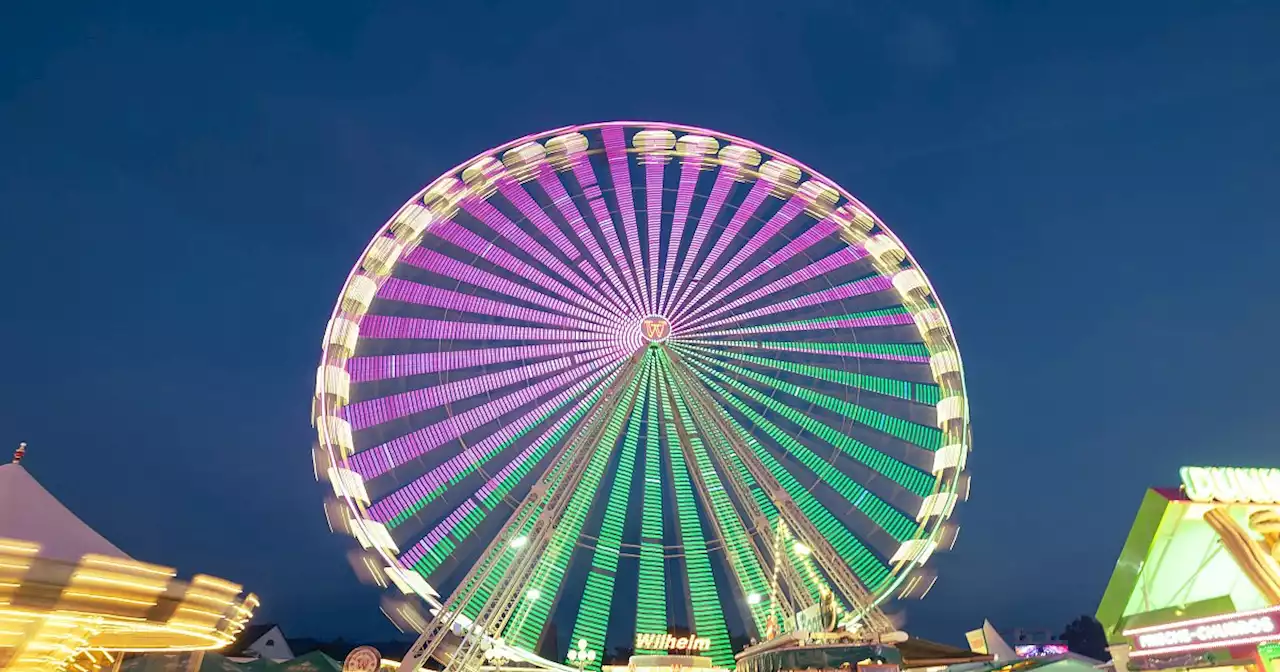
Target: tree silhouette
[[1086, 637]]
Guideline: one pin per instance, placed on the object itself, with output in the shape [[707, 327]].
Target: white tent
[[29, 513]]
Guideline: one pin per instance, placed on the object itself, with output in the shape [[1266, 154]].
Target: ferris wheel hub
[[655, 329]]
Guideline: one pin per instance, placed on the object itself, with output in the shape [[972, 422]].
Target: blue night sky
[[1089, 185]]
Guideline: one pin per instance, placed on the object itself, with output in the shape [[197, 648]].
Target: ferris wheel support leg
[[874, 622], [540, 510]]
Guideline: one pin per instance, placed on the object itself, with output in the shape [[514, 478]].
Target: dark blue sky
[[1091, 187]]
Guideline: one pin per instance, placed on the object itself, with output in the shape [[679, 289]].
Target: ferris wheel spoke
[[882, 515], [396, 327], [898, 352], [431, 551], [591, 190], [836, 260], [861, 287], [434, 262], [869, 569], [784, 216], [743, 557], [370, 368], [594, 255], [755, 198], [503, 226], [466, 239], [922, 436], [403, 291], [615, 149], [519, 197], [691, 167], [396, 452], [725, 179], [708, 617], [896, 316], [370, 412], [568, 528], [593, 616], [651, 600], [653, 212], [819, 231]]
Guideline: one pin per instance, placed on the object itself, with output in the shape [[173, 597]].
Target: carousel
[[71, 600]]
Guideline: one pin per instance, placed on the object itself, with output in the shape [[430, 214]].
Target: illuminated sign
[[1040, 650], [1214, 632], [362, 659], [669, 642], [655, 328], [1231, 485]]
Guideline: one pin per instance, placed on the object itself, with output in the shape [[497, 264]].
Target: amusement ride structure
[[617, 379]]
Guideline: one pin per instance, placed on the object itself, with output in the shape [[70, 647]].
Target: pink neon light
[[388, 326], [386, 367], [395, 289], [861, 287], [464, 238], [615, 150], [806, 325], [372, 412], [788, 212], [604, 224], [831, 262], [494, 219], [706, 221], [383, 458], [759, 191], [569, 210], [456, 467], [1210, 632], [797, 245], [449, 267], [653, 206], [689, 169], [530, 209]]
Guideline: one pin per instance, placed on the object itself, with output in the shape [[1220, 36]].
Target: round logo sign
[[655, 329], [362, 659]]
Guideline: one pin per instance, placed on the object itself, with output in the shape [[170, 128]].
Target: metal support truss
[[872, 620], [539, 513], [740, 491]]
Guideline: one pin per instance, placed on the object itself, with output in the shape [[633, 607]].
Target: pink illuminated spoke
[[861, 287], [604, 224], [653, 212], [759, 191], [689, 170], [843, 257], [615, 148]]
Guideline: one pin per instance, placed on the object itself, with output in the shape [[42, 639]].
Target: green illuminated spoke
[[594, 609], [905, 475], [901, 389], [651, 600], [737, 543], [708, 619], [929, 438], [896, 523], [869, 569], [533, 613], [891, 316]]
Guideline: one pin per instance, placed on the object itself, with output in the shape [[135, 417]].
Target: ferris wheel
[[616, 379]]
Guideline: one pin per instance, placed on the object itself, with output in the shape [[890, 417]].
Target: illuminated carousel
[[71, 600]]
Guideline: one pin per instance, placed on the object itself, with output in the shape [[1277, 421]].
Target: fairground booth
[[1197, 585]]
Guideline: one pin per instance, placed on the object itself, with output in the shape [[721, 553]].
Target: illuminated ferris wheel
[[626, 377]]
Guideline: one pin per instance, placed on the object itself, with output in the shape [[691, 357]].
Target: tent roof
[[29, 513]]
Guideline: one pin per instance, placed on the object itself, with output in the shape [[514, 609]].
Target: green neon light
[[929, 438], [816, 322], [708, 619], [869, 569], [651, 598], [593, 611], [552, 566]]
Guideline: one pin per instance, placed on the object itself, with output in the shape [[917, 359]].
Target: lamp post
[[581, 657], [496, 653]]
